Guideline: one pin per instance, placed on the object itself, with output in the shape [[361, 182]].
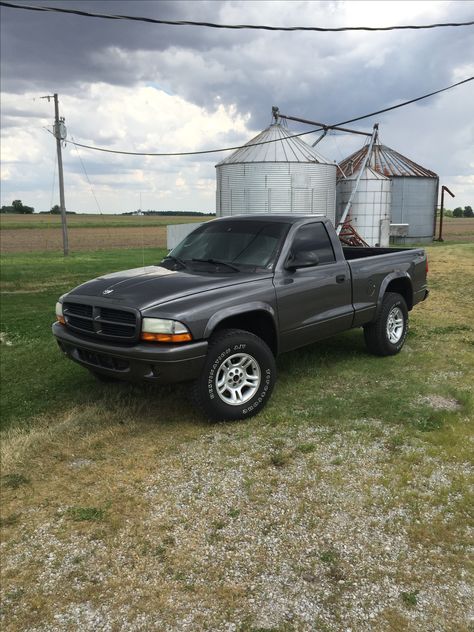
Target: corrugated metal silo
[[414, 189], [283, 175], [370, 208]]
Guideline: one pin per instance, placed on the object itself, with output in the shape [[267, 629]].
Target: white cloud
[[142, 88]]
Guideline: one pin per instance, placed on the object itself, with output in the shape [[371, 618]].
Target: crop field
[[457, 229], [345, 505], [42, 233]]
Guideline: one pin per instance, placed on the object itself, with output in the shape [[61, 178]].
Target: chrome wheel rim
[[238, 379], [395, 324]]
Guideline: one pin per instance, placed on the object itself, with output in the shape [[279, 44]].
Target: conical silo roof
[[386, 161], [275, 144], [368, 174]]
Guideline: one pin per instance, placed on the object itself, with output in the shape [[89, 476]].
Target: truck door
[[313, 302]]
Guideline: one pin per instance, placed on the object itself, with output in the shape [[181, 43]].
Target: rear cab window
[[314, 237]]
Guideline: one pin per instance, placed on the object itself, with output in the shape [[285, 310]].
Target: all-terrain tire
[[238, 376], [386, 335]]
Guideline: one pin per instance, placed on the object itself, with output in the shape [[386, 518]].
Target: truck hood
[[152, 285]]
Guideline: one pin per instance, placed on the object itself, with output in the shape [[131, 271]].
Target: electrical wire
[[88, 180], [54, 180], [255, 27], [215, 151]]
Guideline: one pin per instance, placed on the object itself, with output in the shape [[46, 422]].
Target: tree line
[[463, 212]]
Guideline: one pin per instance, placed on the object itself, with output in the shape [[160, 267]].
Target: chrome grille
[[102, 322]]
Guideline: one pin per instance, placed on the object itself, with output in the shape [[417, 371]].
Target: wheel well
[[257, 322], [402, 287]]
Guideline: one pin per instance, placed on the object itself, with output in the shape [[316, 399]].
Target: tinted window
[[239, 242], [314, 237]]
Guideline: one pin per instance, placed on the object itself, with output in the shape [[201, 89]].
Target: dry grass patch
[[140, 525]]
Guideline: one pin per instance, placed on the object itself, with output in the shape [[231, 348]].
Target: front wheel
[[386, 336], [237, 378]]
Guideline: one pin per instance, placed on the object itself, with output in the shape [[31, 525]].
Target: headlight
[[59, 313], [163, 330]]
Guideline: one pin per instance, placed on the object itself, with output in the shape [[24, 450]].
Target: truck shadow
[[171, 404], [323, 354]]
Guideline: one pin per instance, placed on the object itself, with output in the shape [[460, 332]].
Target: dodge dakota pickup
[[235, 293]]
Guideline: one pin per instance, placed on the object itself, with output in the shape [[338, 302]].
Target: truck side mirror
[[302, 259]]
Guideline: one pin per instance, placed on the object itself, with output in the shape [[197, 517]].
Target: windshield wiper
[[176, 260], [218, 262]]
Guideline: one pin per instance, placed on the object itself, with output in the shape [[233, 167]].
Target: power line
[[254, 27], [215, 151], [88, 180]]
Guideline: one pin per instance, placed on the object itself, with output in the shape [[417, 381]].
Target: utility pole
[[60, 135]]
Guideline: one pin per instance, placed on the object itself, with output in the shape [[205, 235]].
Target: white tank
[[276, 173], [414, 189], [370, 209]]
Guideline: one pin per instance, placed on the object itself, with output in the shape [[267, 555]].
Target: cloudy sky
[[141, 87]]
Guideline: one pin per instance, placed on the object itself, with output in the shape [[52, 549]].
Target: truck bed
[[356, 252]]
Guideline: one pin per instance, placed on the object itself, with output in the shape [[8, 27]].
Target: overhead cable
[[214, 25], [215, 151]]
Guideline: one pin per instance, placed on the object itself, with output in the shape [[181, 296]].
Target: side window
[[314, 237]]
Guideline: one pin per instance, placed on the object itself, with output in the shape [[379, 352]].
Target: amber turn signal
[[148, 337], [60, 319]]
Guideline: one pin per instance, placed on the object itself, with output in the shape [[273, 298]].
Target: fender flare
[[393, 276], [237, 310]]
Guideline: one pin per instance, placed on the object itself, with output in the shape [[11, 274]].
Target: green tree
[[56, 210], [18, 207], [468, 212], [458, 212]]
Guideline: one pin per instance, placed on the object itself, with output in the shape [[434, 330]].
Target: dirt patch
[[439, 403], [50, 239]]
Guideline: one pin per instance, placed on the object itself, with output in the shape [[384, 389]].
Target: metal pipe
[[320, 138], [323, 125], [361, 170], [441, 212]]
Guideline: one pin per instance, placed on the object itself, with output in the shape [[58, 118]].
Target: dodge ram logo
[[107, 292]]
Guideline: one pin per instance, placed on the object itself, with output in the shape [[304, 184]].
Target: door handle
[[340, 278]]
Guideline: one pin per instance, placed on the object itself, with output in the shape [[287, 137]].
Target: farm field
[[42, 233], [346, 504], [457, 229]]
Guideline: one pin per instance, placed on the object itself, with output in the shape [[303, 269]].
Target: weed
[[219, 524], [306, 448], [14, 480], [279, 458], [10, 520], [395, 443], [430, 423], [329, 556], [410, 598], [79, 514]]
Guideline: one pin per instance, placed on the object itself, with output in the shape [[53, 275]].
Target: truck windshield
[[243, 243]]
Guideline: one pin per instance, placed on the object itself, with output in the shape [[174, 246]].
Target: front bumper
[[158, 363]]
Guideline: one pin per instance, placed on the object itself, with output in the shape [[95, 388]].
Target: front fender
[[237, 310]]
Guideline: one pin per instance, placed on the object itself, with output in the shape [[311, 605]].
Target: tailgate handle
[[340, 278]]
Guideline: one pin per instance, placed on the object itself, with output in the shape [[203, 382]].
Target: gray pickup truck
[[234, 294]]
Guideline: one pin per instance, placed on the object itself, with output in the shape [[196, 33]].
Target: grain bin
[[370, 208], [414, 189], [282, 175]]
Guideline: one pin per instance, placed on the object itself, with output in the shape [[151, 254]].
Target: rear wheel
[[237, 378], [386, 336]]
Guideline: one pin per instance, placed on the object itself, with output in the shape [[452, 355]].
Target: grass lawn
[[344, 505]]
